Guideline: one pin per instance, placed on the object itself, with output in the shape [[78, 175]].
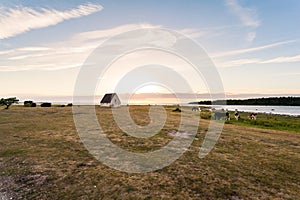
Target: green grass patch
[[268, 121]]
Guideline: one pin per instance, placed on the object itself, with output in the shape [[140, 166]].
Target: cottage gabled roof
[[108, 97]]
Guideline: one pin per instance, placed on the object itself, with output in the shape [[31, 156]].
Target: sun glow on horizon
[[152, 93], [152, 88]]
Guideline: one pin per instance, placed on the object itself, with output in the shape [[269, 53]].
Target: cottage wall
[[115, 102]]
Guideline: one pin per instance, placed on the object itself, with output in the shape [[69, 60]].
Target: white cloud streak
[[5, 52], [221, 61], [259, 48], [235, 63], [195, 33], [19, 20], [33, 49], [104, 34], [247, 16], [283, 59], [62, 55], [241, 62]]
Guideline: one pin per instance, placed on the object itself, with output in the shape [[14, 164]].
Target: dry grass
[[42, 157]]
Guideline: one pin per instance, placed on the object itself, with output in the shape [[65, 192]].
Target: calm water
[[281, 110]]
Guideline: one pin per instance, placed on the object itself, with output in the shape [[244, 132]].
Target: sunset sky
[[253, 44]]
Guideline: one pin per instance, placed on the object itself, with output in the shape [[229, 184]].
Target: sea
[[279, 110]]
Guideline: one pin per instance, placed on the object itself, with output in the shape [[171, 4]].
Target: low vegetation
[[8, 101], [271, 101], [42, 157], [265, 121]]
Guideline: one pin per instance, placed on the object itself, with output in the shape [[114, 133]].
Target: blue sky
[[254, 44]]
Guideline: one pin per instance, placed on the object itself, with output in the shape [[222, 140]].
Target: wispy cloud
[[195, 33], [246, 15], [73, 52], [34, 48], [5, 52], [65, 54], [259, 48], [227, 59], [240, 62], [284, 59], [251, 36], [103, 34], [26, 18]]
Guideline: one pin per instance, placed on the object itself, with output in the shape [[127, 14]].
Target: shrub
[[46, 105], [205, 114], [29, 104]]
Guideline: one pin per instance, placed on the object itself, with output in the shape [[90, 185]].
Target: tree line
[[271, 101]]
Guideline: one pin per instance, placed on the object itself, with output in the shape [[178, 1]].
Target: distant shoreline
[[271, 101]]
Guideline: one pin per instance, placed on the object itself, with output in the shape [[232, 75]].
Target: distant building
[[110, 100]]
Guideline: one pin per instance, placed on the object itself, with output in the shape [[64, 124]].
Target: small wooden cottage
[[110, 100]]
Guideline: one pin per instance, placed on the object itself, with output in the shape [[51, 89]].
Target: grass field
[[265, 121], [42, 157]]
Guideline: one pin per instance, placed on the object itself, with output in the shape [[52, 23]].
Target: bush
[[29, 104], [205, 114], [46, 105]]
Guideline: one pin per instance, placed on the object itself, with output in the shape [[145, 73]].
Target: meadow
[[42, 157], [264, 121]]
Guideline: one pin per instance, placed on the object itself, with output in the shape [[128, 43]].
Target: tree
[[8, 102]]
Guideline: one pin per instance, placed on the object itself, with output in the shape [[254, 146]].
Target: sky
[[253, 44]]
